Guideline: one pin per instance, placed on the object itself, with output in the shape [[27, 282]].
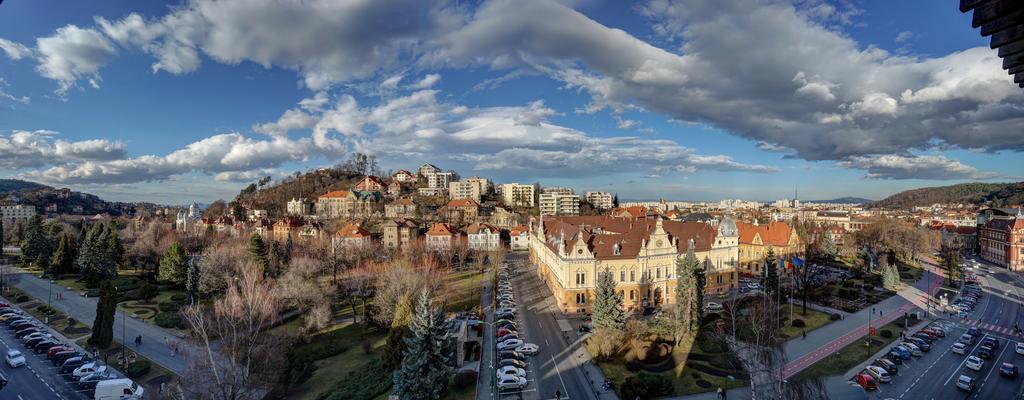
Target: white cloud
[[427, 82], [892, 166], [14, 50], [8, 96], [874, 104], [24, 149], [73, 53], [903, 36]]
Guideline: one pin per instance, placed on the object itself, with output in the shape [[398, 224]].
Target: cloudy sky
[[688, 99]]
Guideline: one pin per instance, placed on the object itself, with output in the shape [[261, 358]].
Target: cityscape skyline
[[143, 102]]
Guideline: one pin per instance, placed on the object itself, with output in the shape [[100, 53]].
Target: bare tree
[[753, 335], [397, 278], [301, 287], [240, 365]]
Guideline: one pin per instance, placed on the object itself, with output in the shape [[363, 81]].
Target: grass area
[[463, 291], [908, 272], [853, 354], [76, 285], [330, 370], [813, 320]]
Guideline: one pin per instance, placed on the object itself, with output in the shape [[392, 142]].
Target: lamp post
[[49, 293], [123, 334]]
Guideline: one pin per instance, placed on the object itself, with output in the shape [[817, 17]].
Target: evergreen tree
[[172, 265], [258, 252], [113, 252], [237, 211], [399, 331], [615, 201], [192, 282], [608, 312], [103, 325], [950, 261], [686, 308], [427, 363], [770, 279], [63, 261], [700, 279], [829, 246], [147, 291], [890, 277], [287, 252], [35, 242]]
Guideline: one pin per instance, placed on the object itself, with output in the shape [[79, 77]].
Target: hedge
[[179, 297], [169, 306], [646, 386], [167, 319], [137, 368], [799, 323], [885, 333], [463, 379], [23, 298], [835, 317], [362, 384]]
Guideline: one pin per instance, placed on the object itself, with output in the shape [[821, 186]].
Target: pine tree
[[608, 312], [770, 279], [172, 265], [35, 242], [113, 252], [686, 312], [258, 252], [192, 283], [287, 252], [103, 325], [890, 277], [701, 282], [427, 363], [615, 201], [63, 261]]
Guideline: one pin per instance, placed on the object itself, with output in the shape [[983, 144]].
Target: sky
[[683, 100]]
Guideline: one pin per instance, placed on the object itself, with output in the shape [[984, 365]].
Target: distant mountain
[[842, 200], [15, 185], [982, 194]]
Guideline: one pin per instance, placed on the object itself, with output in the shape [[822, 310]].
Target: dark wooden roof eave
[[1003, 21]]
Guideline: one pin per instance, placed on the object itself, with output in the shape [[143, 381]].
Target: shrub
[[137, 369], [169, 306], [167, 319], [362, 384], [835, 317], [367, 347], [869, 287], [799, 323], [885, 333], [464, 378], [646, 386], [23, 298], [179, 297], [849, 293], [92, 293]]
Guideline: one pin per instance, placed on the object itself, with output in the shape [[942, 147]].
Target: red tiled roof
[[466, 202], [352, 231], [477, 227], [334, 194], [371, 179], [404, 201], [518, 230], [441, 229], [775, 233], [603, 233]]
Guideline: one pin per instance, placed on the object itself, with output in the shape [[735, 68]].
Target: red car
[[57, 349], [503, 332], [867, 382]]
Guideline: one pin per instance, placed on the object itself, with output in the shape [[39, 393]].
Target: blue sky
[[687, 100]]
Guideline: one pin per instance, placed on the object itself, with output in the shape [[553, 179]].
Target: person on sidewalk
[[805, 334], [721, 393]]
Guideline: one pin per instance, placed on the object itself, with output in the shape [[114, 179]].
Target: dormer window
[[616, 249]]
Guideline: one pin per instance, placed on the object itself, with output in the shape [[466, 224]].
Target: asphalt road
[[934, 375], [83, 309]]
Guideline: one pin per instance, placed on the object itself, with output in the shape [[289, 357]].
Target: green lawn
[[813, 320], [463, 291], [852, 355], [331, 369]]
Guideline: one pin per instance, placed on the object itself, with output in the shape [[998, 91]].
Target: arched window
[[632, 275], [622, 275]]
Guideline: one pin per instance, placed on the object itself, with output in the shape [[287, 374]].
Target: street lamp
[[123, 334], [49, 293]]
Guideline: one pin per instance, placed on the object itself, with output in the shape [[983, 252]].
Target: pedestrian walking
[[805, 334], [161, 390], [721, 393], [105, 357]]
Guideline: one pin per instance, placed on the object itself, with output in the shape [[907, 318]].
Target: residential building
[[841, 219], [349, 204], [401, 208], [398, 188], [427, 169], [299, 206], [400, 233], [370, 183], [559, 201], [519, 238], [351, 237], [638, 212], [440, 180], [403, 176], [964, 238], [288, 226], [641, 255], [500, 217], [441, 237], [483, 237], [12, 212], [599, 200], [757, 239], [256, 215], [469, 188], [460, 211], [517, 195], [1001, 237]]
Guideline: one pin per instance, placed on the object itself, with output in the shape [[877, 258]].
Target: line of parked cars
[[510, 361], [986, 351], [884, 368], [83, 372], [970, 294]]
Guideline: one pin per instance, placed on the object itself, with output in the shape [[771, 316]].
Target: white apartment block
[[299, 207], [559, 204], [600, 200], [469, 188], [517, 194], [440, 180], [17, 211]]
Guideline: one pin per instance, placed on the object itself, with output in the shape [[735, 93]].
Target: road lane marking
[[970, 353], [996, 360]]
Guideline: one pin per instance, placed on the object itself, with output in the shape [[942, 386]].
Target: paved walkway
[[83, 309]]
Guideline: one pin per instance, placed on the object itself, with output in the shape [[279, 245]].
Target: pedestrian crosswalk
[[1009, 331]]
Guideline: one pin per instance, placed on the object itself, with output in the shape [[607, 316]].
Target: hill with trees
[[17, 185], [67, 200], [986, 194]]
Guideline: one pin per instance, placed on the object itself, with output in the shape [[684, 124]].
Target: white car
[[529, 349], [87, 369], [961, 349], [1020, 348], [879, 374], [36, 335], [505, 310], [914, 350], [510, 370], [753, 286], [965, 382], [510, 344], [511, 382], [14, 358], [975, 363], [713, 307]]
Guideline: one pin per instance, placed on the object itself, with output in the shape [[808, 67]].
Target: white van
[[118, 389]]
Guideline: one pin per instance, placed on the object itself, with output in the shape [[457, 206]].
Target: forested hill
[[67, 201], [16, 185], [274, 197], [988, 194]]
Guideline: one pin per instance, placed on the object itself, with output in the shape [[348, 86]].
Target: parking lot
[[34, 373]]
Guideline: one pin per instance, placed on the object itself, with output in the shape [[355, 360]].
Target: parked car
[[511, 355], [1019, 348], [895, 357], [901, 351], [965, 382], [967, 339], [14, 358], [89, 381], [504, 331], [889, 366], [924, 336], [913, 349], [60, 357], [1008, 370], [713, 307], [973, 331], [867, 382], [959, 348], [985, 352], [509, 344], [88, 368], [509, 370], [57, 349], [26, 332], [529, 349], [504, 315], [31, 344], [991, 342], [70, 364], [506, 338], [46, 346], [879, 373], [974, 363], [511, 382], [920, 343], [511, 362]]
